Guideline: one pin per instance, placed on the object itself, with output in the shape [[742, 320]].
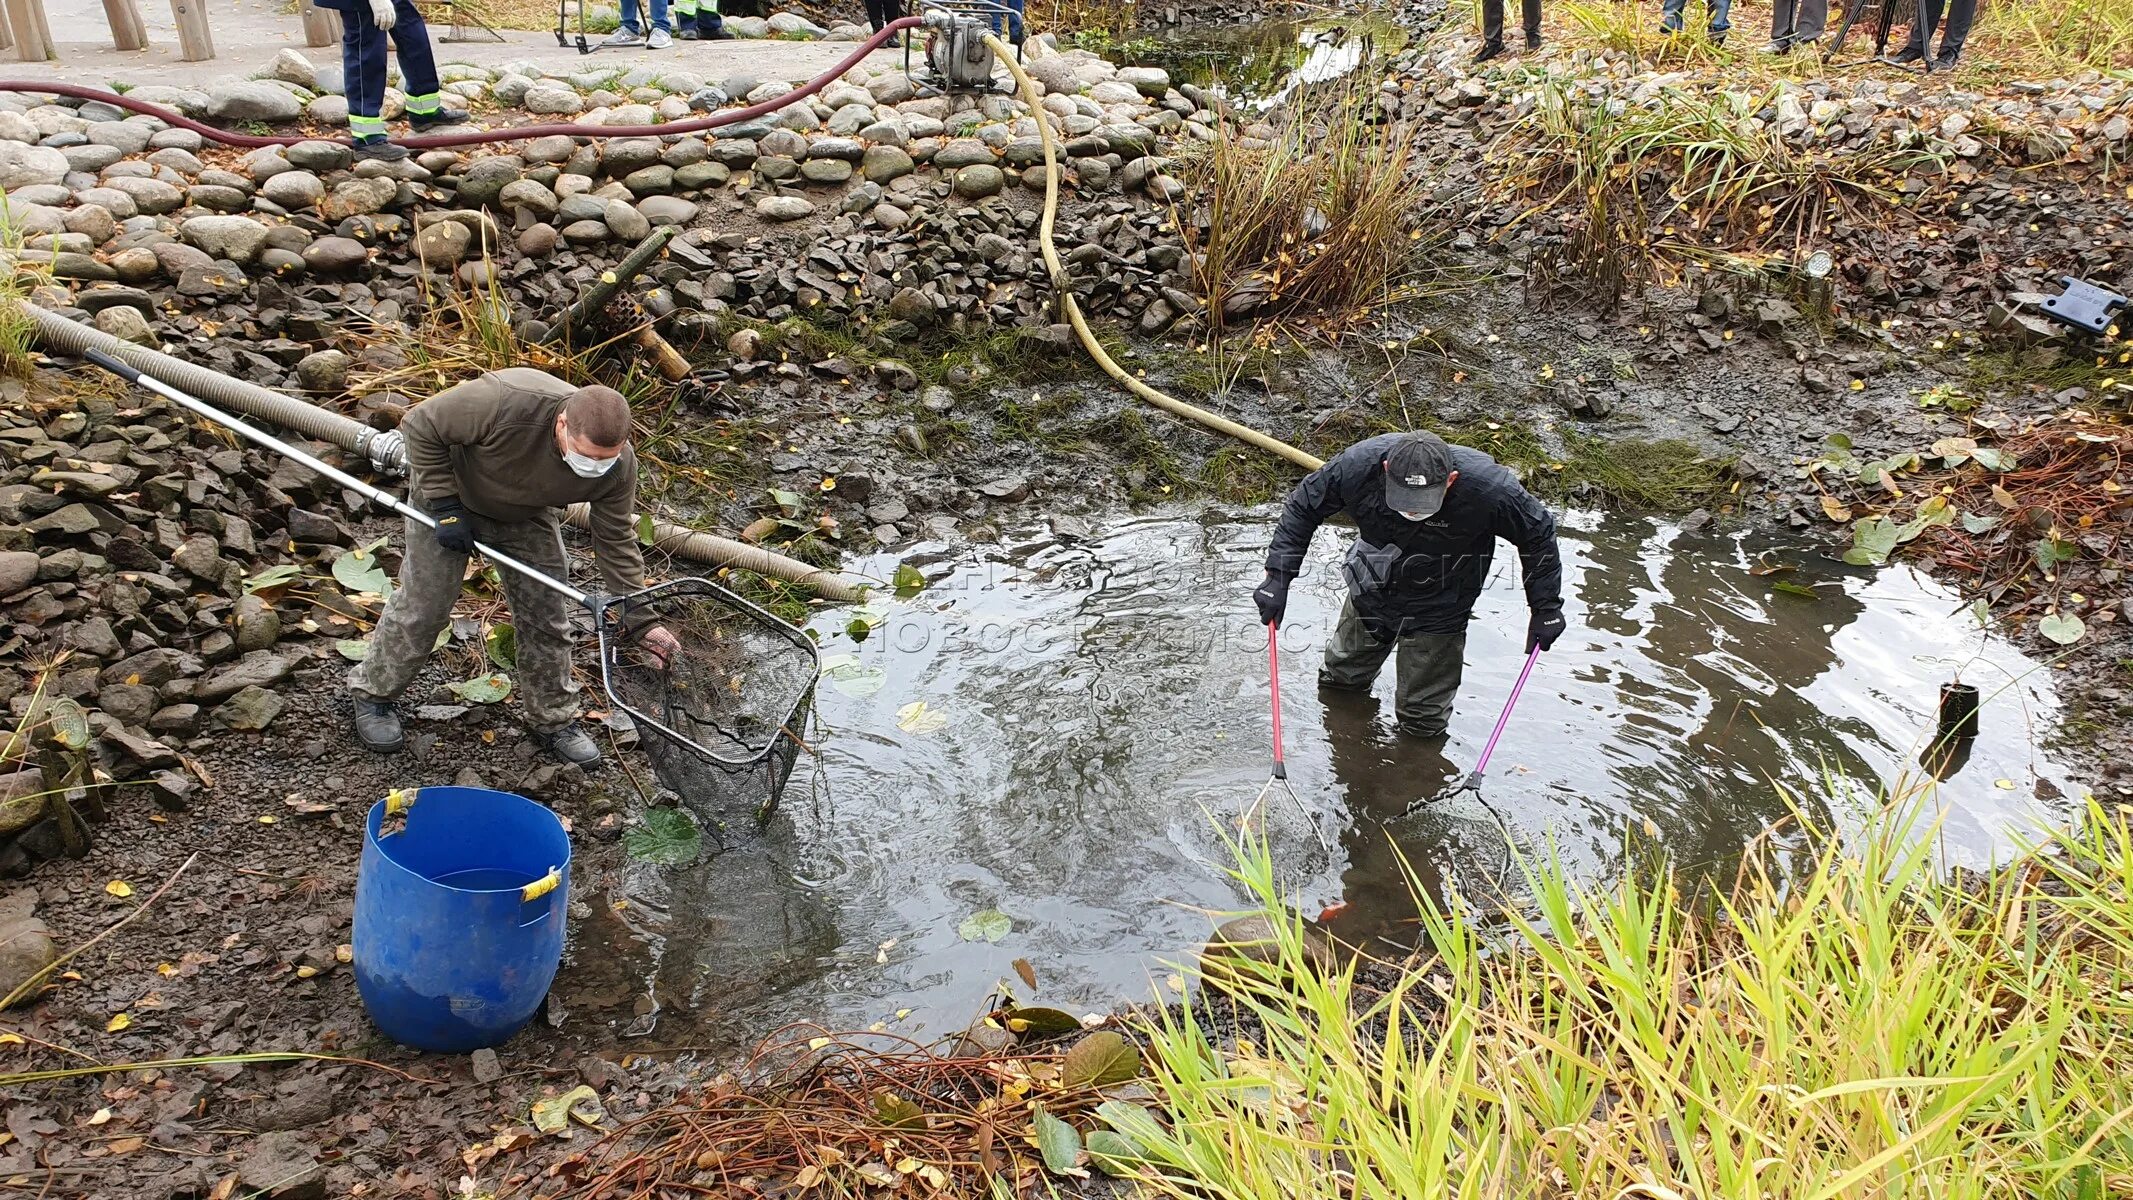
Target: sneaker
[[623, 39], [378, 149], [688, 33], [1946, 62], [443, 116], [1489, 51], [1909, 54], [658, 39], [1778, 48], [377, 724], [572, 744]]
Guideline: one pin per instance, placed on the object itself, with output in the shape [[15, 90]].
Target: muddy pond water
[[1043, 732]]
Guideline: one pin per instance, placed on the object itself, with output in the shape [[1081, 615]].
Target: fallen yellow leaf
[[119, 888], [344, 953], [306, 972], [117, 1023]]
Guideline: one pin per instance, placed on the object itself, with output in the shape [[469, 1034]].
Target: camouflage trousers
[[430, 580]]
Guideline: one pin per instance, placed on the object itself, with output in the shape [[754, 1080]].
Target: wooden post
[[30, 44], [195, 41], [7, 40], [127, 30], [322, 26]]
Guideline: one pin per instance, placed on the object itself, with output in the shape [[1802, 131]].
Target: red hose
[[480, 137]]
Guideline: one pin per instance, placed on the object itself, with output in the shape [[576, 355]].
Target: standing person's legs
[[1784, 16], [1952, 36], [630, 33], [430, 576], [418, 64], [1353, 656], [660, 20], [1492, 22], [1811, 21], [363, 74], [1670, 20], [540, 616], [1427, 681], [710, 25], [1721, 17], [1532, 13], [1923, 24]]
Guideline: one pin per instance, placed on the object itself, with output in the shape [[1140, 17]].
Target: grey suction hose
[[384, 450]]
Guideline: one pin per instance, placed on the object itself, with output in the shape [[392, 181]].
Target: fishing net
[[719, 709]]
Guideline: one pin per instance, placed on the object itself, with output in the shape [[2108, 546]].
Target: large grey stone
[[884, 163], [251, 100], [257, 669], [251, 709], [358, 197], [962, 152], [294, 189], [784, 208], [26, 166], [237, 239], [554, 98]]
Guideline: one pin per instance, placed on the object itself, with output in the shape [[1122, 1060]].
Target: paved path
[[248, 33]]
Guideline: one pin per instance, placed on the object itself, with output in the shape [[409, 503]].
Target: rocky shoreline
[[853, 264]]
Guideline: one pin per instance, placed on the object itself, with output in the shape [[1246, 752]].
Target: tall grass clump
[[2096, 34], [1867, 1027], [1643, 190], [1320, 221], [18, 332]]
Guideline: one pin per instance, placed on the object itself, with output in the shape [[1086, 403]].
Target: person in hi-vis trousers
[[365, 25]]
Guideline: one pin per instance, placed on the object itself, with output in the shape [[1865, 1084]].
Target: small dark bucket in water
[[1958, 711]]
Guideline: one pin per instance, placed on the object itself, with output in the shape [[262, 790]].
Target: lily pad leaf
[[1873, 540], [2051, 551], [1099, 1060], [645, 529], [855, 680], [788, 503], [1114, 1154], [896, 1111], [279, 575], [359, 571], [2063, 628], [1059, 1144], [581, 1103], [987, 925], [907, 581], [1790, 588], [484, 689], [1994, 459], [1041, 1022], [501, 644], [667, 838], [917, 717], [353, 649]]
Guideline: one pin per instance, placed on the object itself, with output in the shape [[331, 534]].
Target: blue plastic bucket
[[459, 916]]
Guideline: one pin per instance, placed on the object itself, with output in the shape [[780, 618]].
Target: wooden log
[[127, 30], [322, 26], [196, 43], [28, 27]]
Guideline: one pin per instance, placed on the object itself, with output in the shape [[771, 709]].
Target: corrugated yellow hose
[[1062, 285]]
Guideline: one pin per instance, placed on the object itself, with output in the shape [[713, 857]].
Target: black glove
[[454, 531], [1272, 597], [1545, 626]]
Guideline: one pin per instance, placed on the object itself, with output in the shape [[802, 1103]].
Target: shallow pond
[[1087, 704]]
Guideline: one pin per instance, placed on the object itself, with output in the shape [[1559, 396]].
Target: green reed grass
[[1870, 1027]]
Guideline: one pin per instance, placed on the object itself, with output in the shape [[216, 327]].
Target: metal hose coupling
[[386, 450]]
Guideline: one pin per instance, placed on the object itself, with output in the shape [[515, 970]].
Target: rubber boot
[[377, 726]]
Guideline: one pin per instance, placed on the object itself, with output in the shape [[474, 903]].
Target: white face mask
[[1415, 516], [588, 466]]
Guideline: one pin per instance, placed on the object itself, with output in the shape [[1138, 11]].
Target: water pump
[[956, 52]]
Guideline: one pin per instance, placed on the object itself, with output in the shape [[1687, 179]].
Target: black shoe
[[443, 116], [1778, 47], [378, 149], [377, 726], [1946, 62], [1533, 41], [718, 35], [1718, 39], [688, 35], [1909, 54], [1489, 51], [573, 745]]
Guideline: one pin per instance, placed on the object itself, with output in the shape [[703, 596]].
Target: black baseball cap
[[1416, 468]]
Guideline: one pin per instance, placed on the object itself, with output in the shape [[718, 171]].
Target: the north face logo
[[1418, 481]]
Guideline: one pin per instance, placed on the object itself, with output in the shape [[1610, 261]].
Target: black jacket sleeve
[[1323, 494], [1527, 524]]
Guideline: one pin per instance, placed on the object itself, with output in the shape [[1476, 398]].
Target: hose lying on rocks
[[1063, 286], [385, 452], [477, 137]]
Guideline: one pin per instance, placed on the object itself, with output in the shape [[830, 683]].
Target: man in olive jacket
[[492, 459], [1427, 516]]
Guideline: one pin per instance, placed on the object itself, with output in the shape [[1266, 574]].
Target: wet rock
[[255, 623], [1008, 489], [26, 946], [251, 100], [978, 182], [1151, 82], [237, 239], [443, 244], [784, 208], [882, 164], [324, 372], [625, 221], [260, 669], [319, 156], [250, 710], [335, 255], [1254, 939], [826, 170], [282, 1166], [358, 197], [667, 210]]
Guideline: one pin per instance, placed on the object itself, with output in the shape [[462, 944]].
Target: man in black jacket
[[1427, 516]]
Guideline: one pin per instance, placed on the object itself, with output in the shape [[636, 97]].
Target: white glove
[[381, 14]]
